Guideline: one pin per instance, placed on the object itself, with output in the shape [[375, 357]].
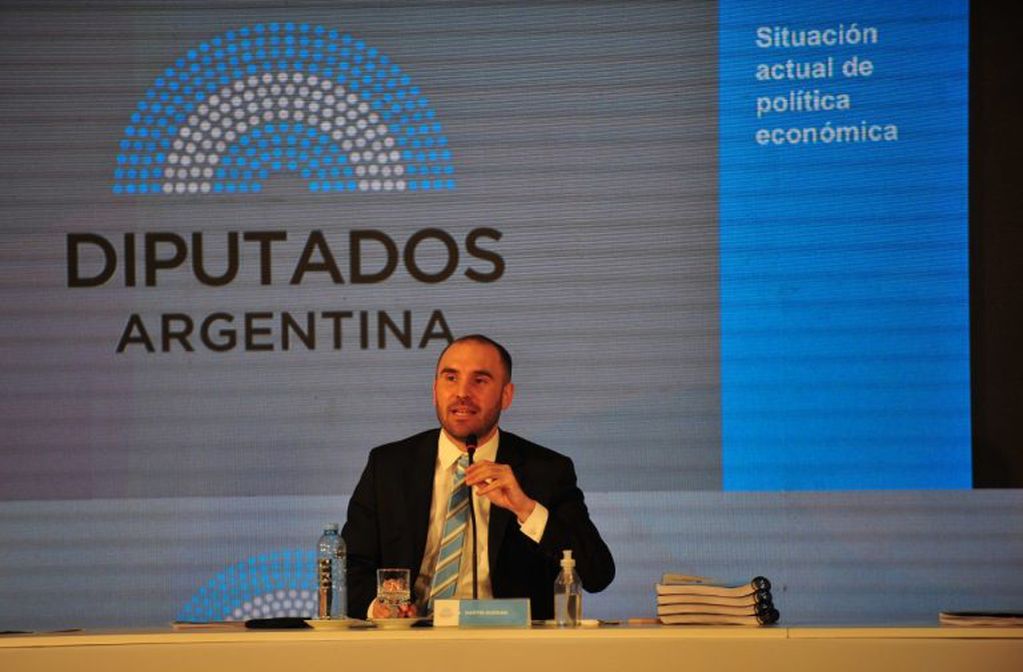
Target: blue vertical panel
[[843, 245]]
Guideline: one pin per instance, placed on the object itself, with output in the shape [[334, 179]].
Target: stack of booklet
[[694, 600]]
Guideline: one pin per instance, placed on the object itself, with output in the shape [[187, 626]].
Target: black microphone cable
[[470, 447]]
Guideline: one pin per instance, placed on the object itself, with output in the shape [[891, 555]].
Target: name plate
[[506, 613]]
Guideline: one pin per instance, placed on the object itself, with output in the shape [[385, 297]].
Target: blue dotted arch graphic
[[281, 97], [276, 583]]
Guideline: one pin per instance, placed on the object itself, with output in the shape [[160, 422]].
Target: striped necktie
[[445, 575]]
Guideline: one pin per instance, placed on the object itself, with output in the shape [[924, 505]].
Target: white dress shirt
[[444, 474]]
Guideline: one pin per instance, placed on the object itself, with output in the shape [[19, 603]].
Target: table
[[836, 649]]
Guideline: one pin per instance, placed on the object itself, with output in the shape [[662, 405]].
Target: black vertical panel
[[996, 247]]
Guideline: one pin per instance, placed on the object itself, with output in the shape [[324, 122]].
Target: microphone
[[471, 442]]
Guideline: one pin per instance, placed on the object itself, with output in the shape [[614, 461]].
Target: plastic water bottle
[[330, 574], [568, 594]]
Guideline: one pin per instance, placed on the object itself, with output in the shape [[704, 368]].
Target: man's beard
[[480, 426]]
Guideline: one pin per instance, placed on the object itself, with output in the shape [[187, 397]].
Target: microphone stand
[[470, 446]]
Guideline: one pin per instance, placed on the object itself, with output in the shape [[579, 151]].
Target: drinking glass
[[394, 589]]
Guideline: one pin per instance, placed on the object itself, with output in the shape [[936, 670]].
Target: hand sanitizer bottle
[[568, 595]]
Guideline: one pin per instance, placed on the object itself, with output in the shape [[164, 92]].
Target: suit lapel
[[420, 492], [507, 453]]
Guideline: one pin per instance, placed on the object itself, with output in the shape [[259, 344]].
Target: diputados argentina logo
[[225, 119]]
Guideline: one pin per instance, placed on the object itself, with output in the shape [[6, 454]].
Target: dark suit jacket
[[389, 512]]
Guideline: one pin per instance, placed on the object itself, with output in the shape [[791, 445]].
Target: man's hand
[[380, 610], [497, 483]]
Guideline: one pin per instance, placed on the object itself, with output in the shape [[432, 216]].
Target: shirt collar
[[448, 453]]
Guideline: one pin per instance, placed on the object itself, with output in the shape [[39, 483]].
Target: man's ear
[[506, 396]]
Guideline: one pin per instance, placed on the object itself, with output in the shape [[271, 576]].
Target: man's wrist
[[523, 513]]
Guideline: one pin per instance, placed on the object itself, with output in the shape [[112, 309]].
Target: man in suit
[[526, 501]]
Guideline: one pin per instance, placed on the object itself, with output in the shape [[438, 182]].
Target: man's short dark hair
[[480, 338]]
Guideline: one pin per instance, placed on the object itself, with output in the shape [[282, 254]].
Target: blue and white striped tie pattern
[[445, 575]]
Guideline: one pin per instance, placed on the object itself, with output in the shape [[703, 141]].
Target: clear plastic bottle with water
[[330, 574], [568, 594]]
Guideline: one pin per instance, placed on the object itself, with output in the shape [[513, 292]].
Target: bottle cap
[[332, 527], [566, 559]]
